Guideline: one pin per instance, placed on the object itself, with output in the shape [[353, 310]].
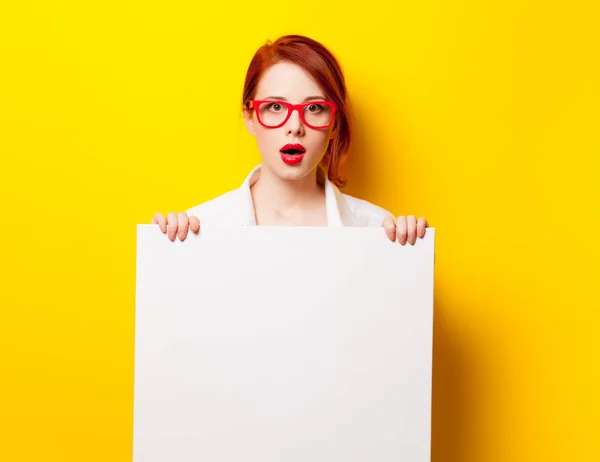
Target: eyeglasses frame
[[255, 104]]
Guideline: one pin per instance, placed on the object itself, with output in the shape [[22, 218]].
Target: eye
[[274, 107], [314, 108]]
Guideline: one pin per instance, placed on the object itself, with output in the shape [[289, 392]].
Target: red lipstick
[[292, 154]]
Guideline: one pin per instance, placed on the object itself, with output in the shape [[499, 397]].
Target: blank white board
[[283, 344]]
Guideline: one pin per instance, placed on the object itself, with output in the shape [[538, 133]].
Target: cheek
[[319, 141], [267, 141]]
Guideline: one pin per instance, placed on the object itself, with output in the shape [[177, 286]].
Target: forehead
[[288, 80]]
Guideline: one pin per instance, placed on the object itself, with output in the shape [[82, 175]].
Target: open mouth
[[292, 149], [292, 153]]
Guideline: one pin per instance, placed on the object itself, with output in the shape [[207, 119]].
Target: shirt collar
[[338, 211]]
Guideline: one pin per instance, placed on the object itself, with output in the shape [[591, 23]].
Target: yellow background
[[483, 117]]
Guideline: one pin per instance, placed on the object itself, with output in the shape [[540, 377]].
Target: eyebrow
[[308, 98]]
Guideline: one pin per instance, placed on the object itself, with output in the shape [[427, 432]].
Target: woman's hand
[[407, 229], [177, 224]]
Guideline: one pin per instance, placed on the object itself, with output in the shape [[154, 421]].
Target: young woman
[[296, 105]]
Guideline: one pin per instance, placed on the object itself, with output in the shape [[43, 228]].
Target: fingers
[[182, 223], [411, 229], [401, 229], [194, 224], [389, 225], [172, 222], [408, 229], [160, 221], [176, 224], [421, 225]]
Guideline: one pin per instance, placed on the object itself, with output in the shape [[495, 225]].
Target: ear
[[249, 121]]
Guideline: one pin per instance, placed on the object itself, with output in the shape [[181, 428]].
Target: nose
[[294, 125]]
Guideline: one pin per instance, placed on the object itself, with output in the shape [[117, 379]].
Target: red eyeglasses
[[274, 114]]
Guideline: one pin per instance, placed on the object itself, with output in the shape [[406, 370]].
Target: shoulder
[[365, 213], [220, 209]]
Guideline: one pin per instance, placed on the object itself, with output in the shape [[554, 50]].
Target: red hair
[[323, 67]]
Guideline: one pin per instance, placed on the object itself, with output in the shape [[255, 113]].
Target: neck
[[282, 194]]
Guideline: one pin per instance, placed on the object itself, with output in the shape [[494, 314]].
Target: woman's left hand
[[406, 229]]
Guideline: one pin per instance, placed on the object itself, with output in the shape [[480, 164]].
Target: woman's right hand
[[176, 224]]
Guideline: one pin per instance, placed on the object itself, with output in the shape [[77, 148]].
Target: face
[[289, 82]]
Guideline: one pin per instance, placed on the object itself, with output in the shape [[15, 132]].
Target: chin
[[292, 172]]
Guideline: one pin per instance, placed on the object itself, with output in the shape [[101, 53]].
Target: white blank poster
[[283, 344]]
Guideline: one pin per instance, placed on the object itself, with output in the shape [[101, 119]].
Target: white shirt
[[236, 207]]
